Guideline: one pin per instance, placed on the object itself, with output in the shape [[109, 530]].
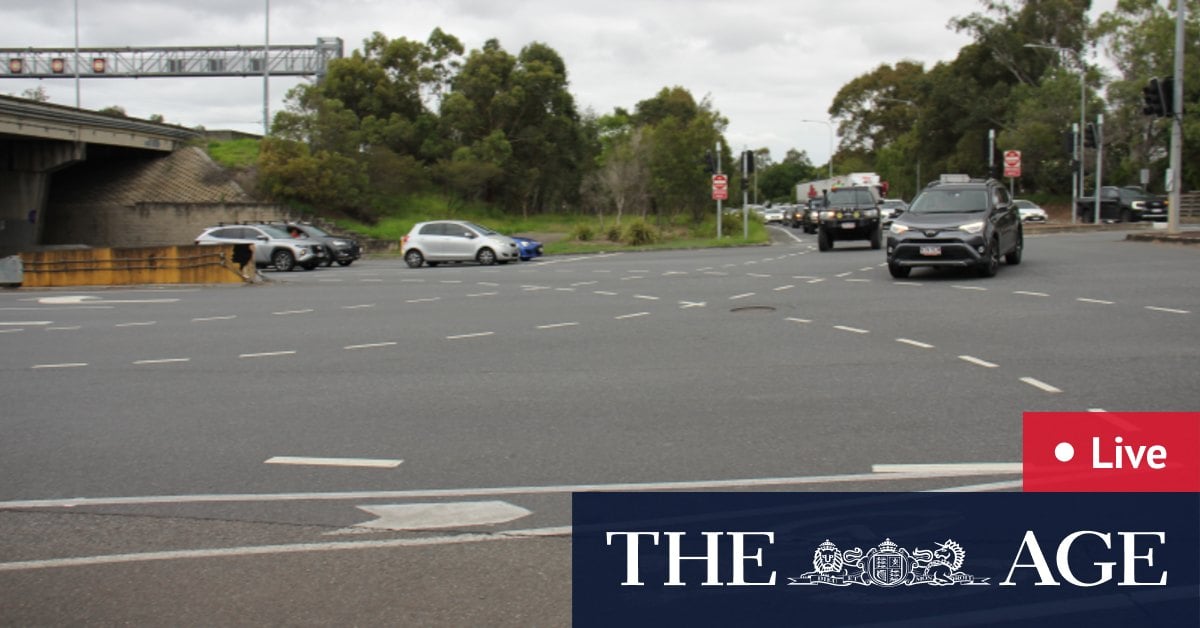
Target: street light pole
[[830, 125]]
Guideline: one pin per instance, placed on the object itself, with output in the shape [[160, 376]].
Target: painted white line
[[645, 297], [1168, 310], [412, 281], [425, 300], [584, 283], [371, 280], [858, 281], [758, 275], [782, 288], [854, 330], [11, 331], [374, 463], [798, 320], [483, 294], [634, 315], [816, 280], [267, 354], [214, 318], [451, 281], [490, 284], [64, 365], [140, 324], [863, 270], [1040, 384], [741, 296], [976, 288], [1030, 294], [1097, 301], [605, 293], [844, 275], [163, 361], [557, 325], [905, 283], [631, 278], [915, 343], [683, 305], [358, 307], [977, 362], [373, 345], [803, 277], [434, 516], [291, 312], [565, 289], [66, 328], [977, 468], [529, 288], [671, 273], [26, 323], [1097, 410], [475, 335]]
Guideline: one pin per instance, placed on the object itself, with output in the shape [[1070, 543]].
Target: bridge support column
[[25, 172]]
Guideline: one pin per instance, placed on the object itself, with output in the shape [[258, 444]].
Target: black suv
[[957, 222], [849, 214], [342, 250]]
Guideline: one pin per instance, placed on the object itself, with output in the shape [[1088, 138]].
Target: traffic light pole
[[719, 233], [1099, 165], [745, 195], [1177, 124]]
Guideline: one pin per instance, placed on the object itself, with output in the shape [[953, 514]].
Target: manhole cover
[[752, 308]]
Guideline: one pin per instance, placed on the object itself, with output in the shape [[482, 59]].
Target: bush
[[640, 233], [615, 233], [583, 233]]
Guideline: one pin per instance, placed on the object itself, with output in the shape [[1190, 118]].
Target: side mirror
[[468, 235]]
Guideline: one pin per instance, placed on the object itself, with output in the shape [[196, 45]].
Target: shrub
[[583, 233], [614, 233], [640, 233]]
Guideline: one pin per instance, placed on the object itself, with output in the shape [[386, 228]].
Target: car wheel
[[877, 239], [1126, 215], [991, 263], [310, 265], [1013, 257], [414, 259], [899, 272], [824, 240], [486, 257], [345, 262], [283, 260]]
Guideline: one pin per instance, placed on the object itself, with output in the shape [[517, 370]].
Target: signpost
[[720, 187], [1012, 164]]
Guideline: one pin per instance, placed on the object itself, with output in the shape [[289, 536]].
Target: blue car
[[528, 248]]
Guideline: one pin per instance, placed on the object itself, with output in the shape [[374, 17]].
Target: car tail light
[[404, 240]]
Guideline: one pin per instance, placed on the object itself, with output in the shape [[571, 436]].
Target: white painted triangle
[[436, 516]]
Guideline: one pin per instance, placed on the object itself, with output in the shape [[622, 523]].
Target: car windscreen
[[480, 228], [950, 202], [851, 197], [274, 232]]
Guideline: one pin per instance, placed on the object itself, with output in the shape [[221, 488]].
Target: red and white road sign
[[720, 187], [1012, 163]]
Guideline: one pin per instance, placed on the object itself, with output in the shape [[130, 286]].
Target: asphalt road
[[379, 445]]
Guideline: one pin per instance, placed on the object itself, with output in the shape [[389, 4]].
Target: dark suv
[[957, 222], [849, 214], [342, 250]]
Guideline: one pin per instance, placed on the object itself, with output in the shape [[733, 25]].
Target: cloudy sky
[[767, 65]]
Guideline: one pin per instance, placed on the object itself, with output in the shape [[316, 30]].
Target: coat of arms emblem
[[888, 565]]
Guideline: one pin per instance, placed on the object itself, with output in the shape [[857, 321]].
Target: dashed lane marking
[[782, 288], [25, 323], [474, 335], [137, 324], [853, 330], [915, 343], [978, 362], [738, 297], [425, 300], [1096, 301], [558, 325], [162, 361], [267, 354], [372, 345], [976, 288], [375, 463], [1030, 294], [293, 312], [634, 315], [605, 293], [1040, 384], [483, 294], [358, 307], [645, 297], [206, 319], [63, 365], [798, 320], [1168, 310], [683, 305]]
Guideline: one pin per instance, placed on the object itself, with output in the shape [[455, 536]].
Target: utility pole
[[719, 212], [1177, 124], [267, 71], [1099, 164]]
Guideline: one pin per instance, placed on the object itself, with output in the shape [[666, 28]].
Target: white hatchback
[[456, 241]]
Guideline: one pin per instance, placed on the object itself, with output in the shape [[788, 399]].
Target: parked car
[[456, 241], [957, 222], [528, 248], [1030, 211], [272, 245], [343, 250]]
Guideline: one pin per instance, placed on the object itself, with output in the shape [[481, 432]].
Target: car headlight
[[870, 213], [1138, 205], [826, 215], [898, 229], [972, 227], [339, 243]]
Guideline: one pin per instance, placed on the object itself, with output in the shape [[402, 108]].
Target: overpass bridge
[[39, 139]]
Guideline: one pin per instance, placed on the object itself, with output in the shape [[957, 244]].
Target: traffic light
[[1152, 94], [1089, 136], [748, 162], [710, 163], [1069, 142], [1168, 96]]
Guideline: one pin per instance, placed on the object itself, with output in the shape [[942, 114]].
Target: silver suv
[[272, 245], [456, 241]]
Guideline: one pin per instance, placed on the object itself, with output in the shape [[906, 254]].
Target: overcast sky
[[767, 65]]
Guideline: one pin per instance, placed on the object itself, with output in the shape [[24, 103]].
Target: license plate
[[931, 251], [849, 225]]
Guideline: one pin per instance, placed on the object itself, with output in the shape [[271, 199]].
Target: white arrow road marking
[[436, 516]]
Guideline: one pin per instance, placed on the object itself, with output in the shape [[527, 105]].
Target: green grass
[[241, 153]]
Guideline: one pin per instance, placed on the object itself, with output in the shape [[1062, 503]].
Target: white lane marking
[[741, 296], [291, 312], [557, 325], [530, 288], [412, 281], [1097, 410], [450, 281], [645, 297], [490, 284], [1167, 310], [140, 324], [1030, 294], [372, 345], [425, 300], [1097, 301], [815, 280], [979, 488], [977, 288], [671, 273], [483, 294], [565, 289], [979, 468], [758, 275], [475, 335], [434, 516], [853, 330], [163, 361], [68, 299], [12, 331], [717, 273], [634, 315], [373, 463], [605, 293], [26, 323], [782, 288], [358, 307], [858, 281], [803, 277], [631, 278], [798, 320], [64, 365], [844, 275], [976, 361], [905, 283], [683, 305], [915, 343], [65, 328], [584, 283], [1040, 384], [863, 270], [267, 354], [214, 318]]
